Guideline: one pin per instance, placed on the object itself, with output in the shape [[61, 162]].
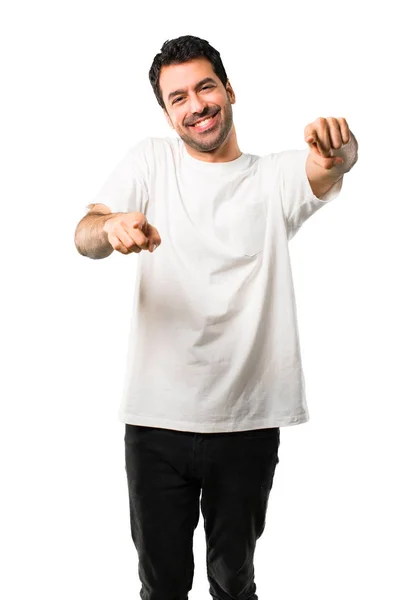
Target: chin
[[203, 146]]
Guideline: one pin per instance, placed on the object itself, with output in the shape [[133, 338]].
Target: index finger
[[314, 141], [154, 236]]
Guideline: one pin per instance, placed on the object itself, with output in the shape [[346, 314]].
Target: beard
[[209, 141]]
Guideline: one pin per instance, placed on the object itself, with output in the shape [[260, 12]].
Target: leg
[[164, 509], [238, 473]]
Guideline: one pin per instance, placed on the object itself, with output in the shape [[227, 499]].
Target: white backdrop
[[76, 97]]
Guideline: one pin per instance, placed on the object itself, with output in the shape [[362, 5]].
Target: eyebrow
[[197, 86]]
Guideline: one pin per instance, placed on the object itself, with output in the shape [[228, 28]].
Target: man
[[214, 367]]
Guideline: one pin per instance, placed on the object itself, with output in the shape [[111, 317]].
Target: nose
[[196, 104]]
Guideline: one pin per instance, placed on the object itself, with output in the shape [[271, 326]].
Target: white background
[[76, 96]]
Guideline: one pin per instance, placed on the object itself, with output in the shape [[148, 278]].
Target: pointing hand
[[131, 232], [324, 137]]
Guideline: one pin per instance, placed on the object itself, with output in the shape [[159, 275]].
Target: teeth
[[204, 122]]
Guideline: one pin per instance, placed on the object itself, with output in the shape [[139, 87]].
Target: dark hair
[[181, 50]]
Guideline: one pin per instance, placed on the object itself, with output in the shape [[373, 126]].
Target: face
[[197, 105]]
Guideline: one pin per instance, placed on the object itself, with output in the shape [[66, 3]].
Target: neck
[[226, 152]]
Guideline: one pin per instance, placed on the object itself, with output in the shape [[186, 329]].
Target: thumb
[[154, 237], [140, 224], [313, 145]]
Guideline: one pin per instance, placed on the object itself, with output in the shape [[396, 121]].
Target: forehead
[[185, 75]]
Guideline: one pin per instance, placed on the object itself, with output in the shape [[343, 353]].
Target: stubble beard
[[210, 142]]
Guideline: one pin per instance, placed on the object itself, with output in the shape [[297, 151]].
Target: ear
[[230, 92], [168, 119]]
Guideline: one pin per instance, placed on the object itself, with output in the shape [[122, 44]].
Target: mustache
[[207, 112]]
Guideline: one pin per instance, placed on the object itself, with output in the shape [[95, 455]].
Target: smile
[[205, 123]]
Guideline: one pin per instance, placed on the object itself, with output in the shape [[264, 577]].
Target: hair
[[181, 50]]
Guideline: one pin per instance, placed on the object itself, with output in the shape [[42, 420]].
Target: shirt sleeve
[[126, 188], [298, 200]]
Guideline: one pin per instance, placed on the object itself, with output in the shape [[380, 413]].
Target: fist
[[325, 137], [131, 232]]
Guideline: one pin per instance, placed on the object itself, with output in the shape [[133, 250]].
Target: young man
[[214, 367]]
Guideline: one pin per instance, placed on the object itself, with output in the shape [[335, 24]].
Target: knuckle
[[130, 244]]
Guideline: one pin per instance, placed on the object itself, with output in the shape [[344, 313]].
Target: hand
[[131, 232], [324, 137]]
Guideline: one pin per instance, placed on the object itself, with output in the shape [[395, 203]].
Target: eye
[[177, 99], [206, 87]]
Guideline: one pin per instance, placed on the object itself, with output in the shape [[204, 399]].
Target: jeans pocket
[[133, 431]]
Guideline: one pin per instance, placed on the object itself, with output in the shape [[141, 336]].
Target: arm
[[124, 191], [311, 178], [90, 238], [333, 152], [129, 232]]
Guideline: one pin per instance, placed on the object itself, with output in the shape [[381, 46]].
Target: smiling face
[[197, 105]]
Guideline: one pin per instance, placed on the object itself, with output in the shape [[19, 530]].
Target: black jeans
[[166, 471]]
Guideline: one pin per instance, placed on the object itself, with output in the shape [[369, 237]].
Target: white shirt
[[216, 299]]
